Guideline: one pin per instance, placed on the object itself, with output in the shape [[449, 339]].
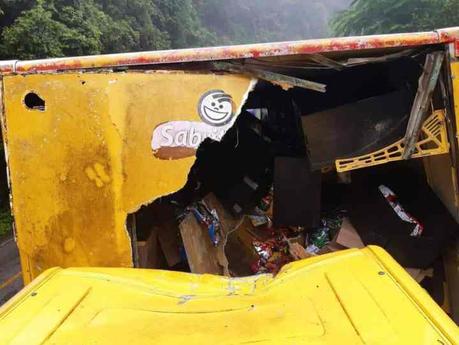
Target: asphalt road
[[10, 270]]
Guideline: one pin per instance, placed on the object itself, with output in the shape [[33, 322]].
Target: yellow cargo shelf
[[349, 297], [433, 140]]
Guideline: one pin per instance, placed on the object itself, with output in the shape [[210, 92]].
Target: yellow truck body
[[87, 157], [81, 164], [350, 297]]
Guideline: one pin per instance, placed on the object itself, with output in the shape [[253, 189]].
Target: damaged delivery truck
[[284, 193]]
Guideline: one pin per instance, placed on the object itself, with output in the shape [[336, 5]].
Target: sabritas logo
[[180, 139], [216, 108]]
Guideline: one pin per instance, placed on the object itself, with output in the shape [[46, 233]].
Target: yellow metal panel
[[455, 81], [78, 167], [440, 175], [349, 297]]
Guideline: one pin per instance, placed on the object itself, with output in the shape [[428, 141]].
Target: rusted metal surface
[[232, 52]]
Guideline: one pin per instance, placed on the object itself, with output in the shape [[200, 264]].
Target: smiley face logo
[[216, 108]]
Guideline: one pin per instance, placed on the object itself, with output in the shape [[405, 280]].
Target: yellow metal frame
[[433, 135]]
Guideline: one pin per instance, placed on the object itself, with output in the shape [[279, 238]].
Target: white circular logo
[[216, 107]]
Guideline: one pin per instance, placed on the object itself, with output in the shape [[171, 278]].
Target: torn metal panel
[[81, 165], [427, 84]]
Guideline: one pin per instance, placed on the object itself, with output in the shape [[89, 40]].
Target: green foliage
[[180, 20], [139, 16], [35, 34], [390, 16], [61, 28], [50, 28]]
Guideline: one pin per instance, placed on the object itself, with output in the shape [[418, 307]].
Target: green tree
[[48, 28], [62, 28], [35, 34], [390, 16], [181, 21], [141, 16]]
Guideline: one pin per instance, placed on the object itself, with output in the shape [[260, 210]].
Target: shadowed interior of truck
[[299, 166]]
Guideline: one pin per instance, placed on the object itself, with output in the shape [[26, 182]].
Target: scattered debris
[[200, 251], [391, 198], [216, 241], [273, 254], [348, 236], [419, 274], [204, 232], [208, 218], [318, 239], [298, 252]]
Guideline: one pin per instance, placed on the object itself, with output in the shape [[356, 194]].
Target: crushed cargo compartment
[[251, 164], [255, 181]]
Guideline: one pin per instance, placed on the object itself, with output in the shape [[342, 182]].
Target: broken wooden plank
[[168, 237], [378, 59], [272, 77], [427, 84], [325, 61], [149, 251], [202, 255], [227, 222]]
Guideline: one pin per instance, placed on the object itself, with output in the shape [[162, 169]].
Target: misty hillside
[[242, 21], [51, 28]]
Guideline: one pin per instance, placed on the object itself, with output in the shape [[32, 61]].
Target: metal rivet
[[381, 273]]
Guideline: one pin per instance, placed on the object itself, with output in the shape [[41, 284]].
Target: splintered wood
[[203, 256], [427, 84]]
